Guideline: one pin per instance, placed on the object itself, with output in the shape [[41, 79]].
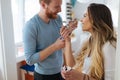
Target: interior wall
[[114, 7], [117, 73], [80, 8]]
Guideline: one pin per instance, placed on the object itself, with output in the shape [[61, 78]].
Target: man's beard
[[50, 14]]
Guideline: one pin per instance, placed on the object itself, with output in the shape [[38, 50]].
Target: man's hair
[[46, 1]]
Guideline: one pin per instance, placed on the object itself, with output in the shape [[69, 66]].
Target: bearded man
[[42, 42]]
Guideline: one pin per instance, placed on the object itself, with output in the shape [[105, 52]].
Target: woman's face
[[86, 23]]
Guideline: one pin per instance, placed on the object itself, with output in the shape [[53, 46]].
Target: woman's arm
[[68, 56], [75, 75]]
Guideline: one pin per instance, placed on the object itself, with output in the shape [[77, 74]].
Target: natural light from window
[[22, 11]]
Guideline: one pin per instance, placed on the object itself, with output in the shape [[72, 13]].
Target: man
[[42, 42]]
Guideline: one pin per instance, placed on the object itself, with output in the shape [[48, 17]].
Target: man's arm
[[59, 44]]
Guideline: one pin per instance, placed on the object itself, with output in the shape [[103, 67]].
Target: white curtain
[[8, 70]]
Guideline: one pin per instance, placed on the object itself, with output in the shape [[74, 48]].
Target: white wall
[[79, 7], [117, 74], [63, 10], [114, 7]]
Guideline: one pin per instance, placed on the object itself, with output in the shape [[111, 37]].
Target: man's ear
[[43, 4]]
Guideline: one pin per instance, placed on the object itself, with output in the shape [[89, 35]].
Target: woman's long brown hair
[[103, 31]]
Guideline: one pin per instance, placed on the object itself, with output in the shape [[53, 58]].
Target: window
[[22, 11]]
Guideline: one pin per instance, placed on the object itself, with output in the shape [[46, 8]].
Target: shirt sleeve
[[29, 41], [109, 61]]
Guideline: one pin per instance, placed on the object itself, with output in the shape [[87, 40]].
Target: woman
[[96, 60]]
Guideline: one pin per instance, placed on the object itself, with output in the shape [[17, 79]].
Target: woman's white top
[[109, 53]]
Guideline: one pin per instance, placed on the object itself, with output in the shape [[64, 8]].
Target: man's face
[[53, 8]]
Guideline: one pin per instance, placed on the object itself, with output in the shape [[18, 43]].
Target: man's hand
[[59, 44]]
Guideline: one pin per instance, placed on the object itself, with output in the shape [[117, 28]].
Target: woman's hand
[[72, 75], [64, 32], [72, 25]]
